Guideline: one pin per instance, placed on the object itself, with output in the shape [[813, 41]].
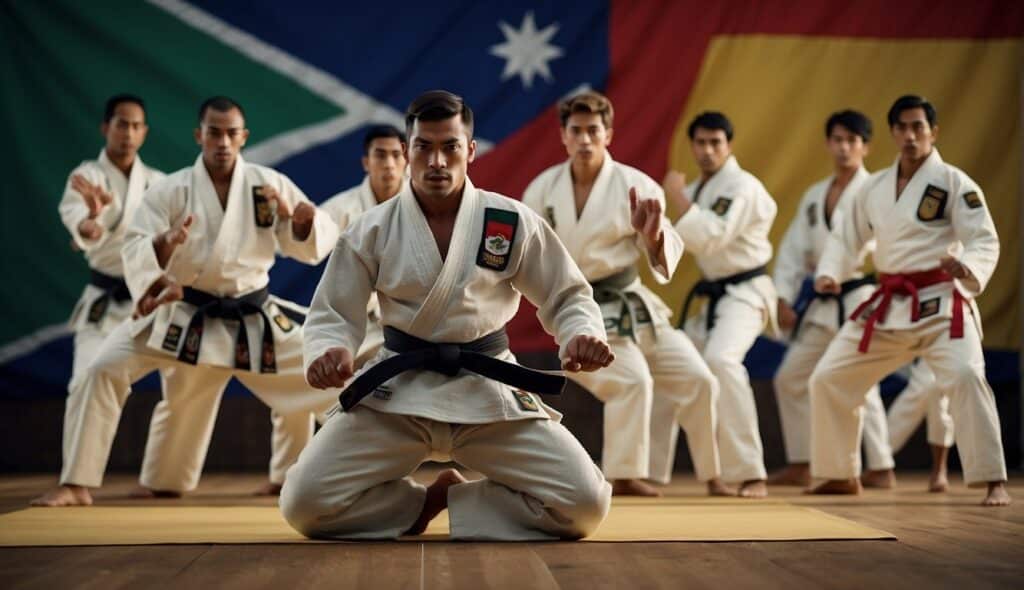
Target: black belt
[[232, 308], [611, 288], [448, 359], [714, 291], [803, 302], [113, 288]]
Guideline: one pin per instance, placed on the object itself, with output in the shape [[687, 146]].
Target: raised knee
[[588, 508]]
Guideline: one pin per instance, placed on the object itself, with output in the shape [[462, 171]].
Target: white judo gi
[[795, 263], [651, 358], [105, 302], [940, 212], [726, 229], [352, 481], [228, 254], [921, 399]]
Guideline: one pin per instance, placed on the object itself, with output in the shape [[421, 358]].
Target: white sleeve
[[789, 270], [973, 226], [672, 242], [73, 210], [706, 231], [550, 280], [154, 216], [337, 314]]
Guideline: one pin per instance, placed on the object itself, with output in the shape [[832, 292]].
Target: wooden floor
[[945, 541]]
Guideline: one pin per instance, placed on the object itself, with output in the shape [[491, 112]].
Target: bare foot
[[144, 493], [634, 487], [65, 495], [794, 474], [879, 478], [268, 489], [437, 499], [754, 488], [717, 487], [938, 482], [997, 495], [838, 486]]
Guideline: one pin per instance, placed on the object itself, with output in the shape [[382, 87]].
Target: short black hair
[[381, 131], [711, 120], [117, 99], [854, 121], [912, 101], [438, 105], [220, 104]]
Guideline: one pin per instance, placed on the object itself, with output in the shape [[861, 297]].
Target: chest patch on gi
[[933, 204], [721, 206], [928, 307], [283, 322], [171, 338], [98, 309], [261, 207], [499, 234], [525, 401], [812, 214], [549, 212], [973, 200]]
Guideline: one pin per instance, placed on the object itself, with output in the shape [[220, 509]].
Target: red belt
[[907, 284]]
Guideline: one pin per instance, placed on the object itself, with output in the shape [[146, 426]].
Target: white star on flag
[[527, 50]]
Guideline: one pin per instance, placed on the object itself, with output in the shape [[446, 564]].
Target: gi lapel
[[460, 250]]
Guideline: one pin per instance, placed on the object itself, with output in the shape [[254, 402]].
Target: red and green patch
[[499, 234]]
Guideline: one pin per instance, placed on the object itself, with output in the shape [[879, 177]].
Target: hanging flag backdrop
[[312, 76]]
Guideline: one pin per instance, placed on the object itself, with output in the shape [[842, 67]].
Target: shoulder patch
[[973, 200], [499, 234], [721, 206], [933, 203], [812, 214]]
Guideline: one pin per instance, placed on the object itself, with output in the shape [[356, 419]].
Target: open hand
[[163, 290]]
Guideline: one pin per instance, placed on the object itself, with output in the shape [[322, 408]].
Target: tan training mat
[[655, 519]]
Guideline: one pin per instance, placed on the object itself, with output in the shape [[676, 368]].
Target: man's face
[[710, 149], [847, 148], [385, 163], [913, 135], [126, 131], [439, 155], [221, 135], [585, 137]]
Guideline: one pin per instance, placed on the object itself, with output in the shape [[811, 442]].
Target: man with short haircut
[[936, 250], [448, 262], [724, 220], [813, 319], [609, 216], [197, 254]]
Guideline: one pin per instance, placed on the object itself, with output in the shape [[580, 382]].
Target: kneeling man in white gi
[[448, 263]]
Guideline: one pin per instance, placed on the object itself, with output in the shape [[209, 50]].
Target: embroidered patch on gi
[[525, 401], [269, 359], [283, 322], [97, 309], [171, 338], [611, 324], [933, 203], [382, 393], [261, 207], [812, 214], [928, 307], [973, 200], [499, 234], [549, 211], [193, 339], [242, 355], [721, 206]]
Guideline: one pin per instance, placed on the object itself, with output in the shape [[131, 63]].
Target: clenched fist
[[163, 290], [332, 369], [587, 353]]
